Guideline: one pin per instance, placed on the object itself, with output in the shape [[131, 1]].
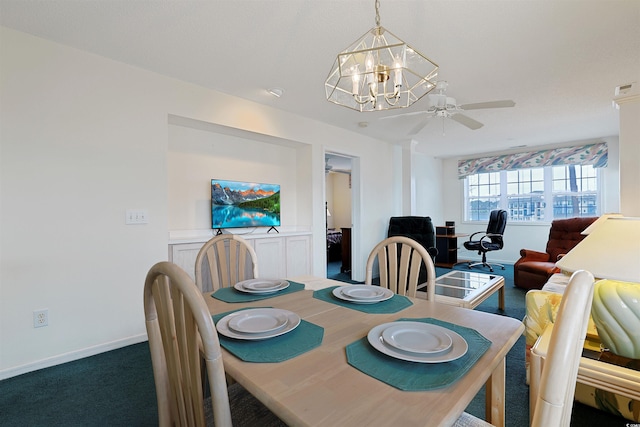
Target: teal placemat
[[413, 376], [305, 337], [392, 305], [232, 295]]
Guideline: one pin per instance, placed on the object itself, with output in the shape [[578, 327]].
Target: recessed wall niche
[[199, 152]]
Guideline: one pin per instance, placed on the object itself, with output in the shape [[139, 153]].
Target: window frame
[[548, 195]]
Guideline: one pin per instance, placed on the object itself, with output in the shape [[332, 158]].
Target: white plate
[[417, 337], [364, 292], [293, 320], [458, 349], [386, 294], [261, 286], [258, 321]]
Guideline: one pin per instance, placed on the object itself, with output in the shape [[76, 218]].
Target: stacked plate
[[362, 294], [417, 342], [261, 286], [258, 323]]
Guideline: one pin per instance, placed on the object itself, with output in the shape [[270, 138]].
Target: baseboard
[[71, 356]]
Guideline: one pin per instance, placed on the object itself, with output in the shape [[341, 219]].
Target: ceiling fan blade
[[403, 115], [417, 128], [491, 104], [467, 121]]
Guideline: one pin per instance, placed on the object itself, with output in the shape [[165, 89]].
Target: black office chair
[[418, 228], [491, 240]]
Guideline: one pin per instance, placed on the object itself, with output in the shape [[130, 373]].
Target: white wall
[[427, 172], [83, 139], [630, 153]]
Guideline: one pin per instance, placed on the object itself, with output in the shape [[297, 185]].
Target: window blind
[[591, 154]]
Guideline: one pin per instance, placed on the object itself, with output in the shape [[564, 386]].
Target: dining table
[[320, 387]]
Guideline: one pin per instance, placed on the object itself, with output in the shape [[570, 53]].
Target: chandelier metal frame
[[380, 71]]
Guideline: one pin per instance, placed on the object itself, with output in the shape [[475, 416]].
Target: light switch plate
[[136, 216]]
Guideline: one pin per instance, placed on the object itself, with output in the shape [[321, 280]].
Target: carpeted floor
[[116, 388]]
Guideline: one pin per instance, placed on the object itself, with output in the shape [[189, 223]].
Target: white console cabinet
[[279, 255], [271, 257], [298, 255]]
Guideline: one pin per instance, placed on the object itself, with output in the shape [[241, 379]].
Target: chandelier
[[380, 72]]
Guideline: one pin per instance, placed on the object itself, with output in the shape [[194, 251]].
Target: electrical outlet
[[41, 318]]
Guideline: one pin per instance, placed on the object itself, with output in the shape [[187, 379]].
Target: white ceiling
[[559, 60]]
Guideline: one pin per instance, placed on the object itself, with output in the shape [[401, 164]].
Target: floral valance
[[592, 154]]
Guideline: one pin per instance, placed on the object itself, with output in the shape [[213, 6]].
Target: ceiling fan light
[[451, 103]]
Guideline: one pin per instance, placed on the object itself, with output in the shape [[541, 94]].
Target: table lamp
[[611, 251], [598, 222]]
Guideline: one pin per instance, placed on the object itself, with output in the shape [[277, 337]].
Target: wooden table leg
[[495, 391], [501, 297]]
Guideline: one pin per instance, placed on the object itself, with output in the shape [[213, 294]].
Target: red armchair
[[534, 268]]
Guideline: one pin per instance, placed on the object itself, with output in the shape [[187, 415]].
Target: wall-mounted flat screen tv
[[236, 204]]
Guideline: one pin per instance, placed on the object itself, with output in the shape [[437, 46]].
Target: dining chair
[[554, 401], [181, 333], [399, 261], [224, 261]]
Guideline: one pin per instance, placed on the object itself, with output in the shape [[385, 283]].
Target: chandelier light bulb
[[398, 73], [369, 62], [355, 81]]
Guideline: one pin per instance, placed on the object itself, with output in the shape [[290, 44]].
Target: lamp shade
[[599, 221], [610, 251]]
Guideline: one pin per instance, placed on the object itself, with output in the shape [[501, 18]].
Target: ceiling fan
[[441, 105], [330, 168]]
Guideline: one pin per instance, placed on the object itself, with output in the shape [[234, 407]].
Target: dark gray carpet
[[246, 410], [116, 388]]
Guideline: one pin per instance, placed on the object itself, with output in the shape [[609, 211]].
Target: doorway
[[339, 215]]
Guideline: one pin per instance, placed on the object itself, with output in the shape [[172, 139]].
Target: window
[[575, 191], [534, 194], [525, 194], [484, 195]]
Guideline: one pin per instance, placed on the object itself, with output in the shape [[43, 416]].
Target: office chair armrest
[[487, 238], [477, 232]]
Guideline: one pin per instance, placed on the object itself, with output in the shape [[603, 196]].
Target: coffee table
[[467, 288]]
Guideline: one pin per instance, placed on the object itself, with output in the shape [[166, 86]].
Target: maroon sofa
[[534, 268]]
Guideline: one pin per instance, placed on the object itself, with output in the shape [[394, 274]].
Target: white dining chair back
[[224, 261], [560, 371], [181, 332], [399, 260], [554, 402]]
